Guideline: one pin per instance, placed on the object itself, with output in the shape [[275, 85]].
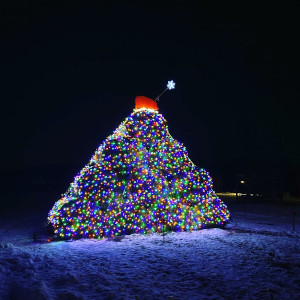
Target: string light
[[139, 180]]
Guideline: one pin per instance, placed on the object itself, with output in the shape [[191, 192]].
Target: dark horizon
[[70, 74]]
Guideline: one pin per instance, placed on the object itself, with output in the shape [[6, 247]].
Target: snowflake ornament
[[171, 85]]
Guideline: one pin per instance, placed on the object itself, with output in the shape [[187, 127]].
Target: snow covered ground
[[256, 257]]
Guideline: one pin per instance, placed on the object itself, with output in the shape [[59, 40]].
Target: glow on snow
[[140, 180]]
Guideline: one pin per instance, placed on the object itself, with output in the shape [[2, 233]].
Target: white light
[[171, 85], [144, 108]]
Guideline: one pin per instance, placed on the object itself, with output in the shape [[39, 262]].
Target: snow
[[256, 257]]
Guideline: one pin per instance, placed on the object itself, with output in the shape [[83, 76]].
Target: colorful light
[[140, 180]]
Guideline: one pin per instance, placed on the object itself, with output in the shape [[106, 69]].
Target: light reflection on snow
[[254, 257]]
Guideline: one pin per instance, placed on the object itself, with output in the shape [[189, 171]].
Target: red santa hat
[[145, 102]]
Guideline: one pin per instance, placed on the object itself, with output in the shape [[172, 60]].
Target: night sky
[[70, 72]]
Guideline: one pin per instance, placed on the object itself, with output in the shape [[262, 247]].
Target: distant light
[[242, 181], [171, 85]]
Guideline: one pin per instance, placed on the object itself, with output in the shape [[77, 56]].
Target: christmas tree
[[140, 180]]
